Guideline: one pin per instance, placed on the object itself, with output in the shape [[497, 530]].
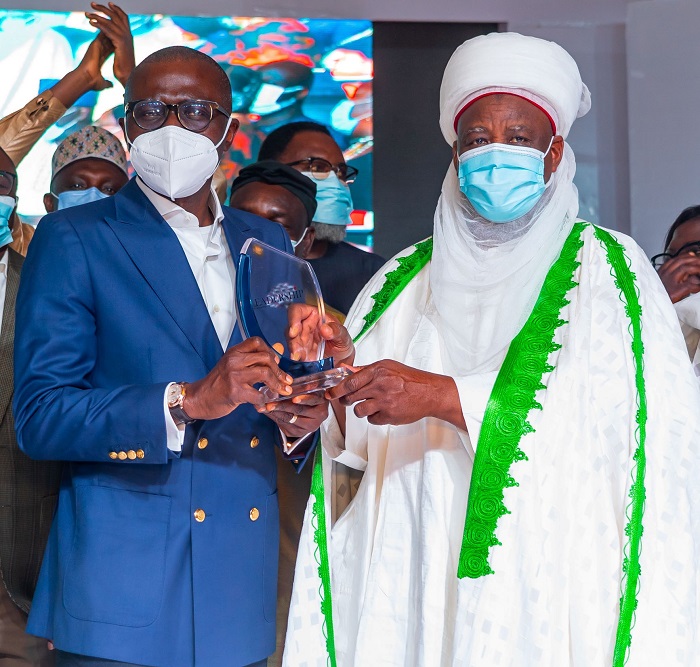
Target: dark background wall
[[410, 154]]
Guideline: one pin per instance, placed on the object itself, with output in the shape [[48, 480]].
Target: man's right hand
[[230, 383], [681, 276], [113, 22]]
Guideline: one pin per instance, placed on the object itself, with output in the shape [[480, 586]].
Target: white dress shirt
[[4, 263], [209, 257]]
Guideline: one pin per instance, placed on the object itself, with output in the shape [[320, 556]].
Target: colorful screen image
[[281, 70]]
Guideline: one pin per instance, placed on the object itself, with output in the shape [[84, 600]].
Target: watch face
[[174, 392]]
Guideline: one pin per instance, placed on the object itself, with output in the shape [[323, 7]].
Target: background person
[[281, 194], [27, 488], [342, 269], [19, 131], [88, 165], [679, 269]]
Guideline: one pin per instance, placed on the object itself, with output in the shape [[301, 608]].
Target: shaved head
[[207, 68]]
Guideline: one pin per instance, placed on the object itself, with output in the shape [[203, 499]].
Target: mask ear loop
[[549, 148], [295, 244]]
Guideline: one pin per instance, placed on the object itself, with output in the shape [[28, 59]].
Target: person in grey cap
[[88, 165]]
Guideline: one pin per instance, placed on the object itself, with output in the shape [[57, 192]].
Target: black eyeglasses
[[8, 180], [321, 169], [658, 260], [194, 115]]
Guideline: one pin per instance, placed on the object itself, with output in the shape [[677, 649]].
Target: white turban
[[486, 276], [538, 70]]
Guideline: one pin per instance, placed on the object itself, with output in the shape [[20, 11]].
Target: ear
[[50, 202], [304, 247], [230, 134], [455, 156], [553, 159]]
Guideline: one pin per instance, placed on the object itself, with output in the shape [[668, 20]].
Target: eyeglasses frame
[[672, 255], [351, 174], [214, 106]]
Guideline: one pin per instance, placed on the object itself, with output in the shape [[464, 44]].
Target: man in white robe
[[524, 414]]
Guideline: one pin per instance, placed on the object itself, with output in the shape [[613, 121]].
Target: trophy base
[[309, 384]]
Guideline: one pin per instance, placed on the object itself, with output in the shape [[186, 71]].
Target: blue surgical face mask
[[502, 182], [334, 200], [295, 244], [7, 206], [71, 198]]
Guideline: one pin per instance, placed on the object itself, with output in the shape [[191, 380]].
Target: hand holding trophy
[[279, 300]]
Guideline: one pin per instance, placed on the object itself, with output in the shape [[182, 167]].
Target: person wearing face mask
[[27, 488], [279, 193], [88, 165], [524, 414], [342, 269], [20, 130], [164, 547]]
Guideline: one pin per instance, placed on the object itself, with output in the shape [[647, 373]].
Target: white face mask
[[173, 161]]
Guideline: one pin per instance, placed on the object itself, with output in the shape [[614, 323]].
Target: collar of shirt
[[179, 219]]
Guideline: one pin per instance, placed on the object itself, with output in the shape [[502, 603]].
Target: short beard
[[332, 233]]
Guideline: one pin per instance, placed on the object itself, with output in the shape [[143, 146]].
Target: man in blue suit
[[163, 551]]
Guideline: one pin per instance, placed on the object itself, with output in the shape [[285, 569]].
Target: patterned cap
[[90, 141]]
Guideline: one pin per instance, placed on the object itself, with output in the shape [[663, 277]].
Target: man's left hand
[[299, 415]]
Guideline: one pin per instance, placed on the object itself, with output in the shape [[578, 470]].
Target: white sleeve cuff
[[289, 447], [334, 444], [474, 393], [175, 433]]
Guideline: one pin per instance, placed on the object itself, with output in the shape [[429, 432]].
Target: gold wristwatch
[[176, 399]]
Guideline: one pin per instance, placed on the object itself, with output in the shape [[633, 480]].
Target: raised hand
[[680, 276], [113, 22]]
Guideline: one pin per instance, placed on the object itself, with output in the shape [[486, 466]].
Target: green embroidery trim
[[318, 510], [395, 281], [505, 421], [625, 281]]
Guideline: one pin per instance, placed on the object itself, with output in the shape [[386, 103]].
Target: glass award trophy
[[273, 288]]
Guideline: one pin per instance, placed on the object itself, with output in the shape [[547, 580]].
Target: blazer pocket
[[271, 558], [116, 570]]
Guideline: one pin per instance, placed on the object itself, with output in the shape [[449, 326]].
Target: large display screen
[[281, 70]]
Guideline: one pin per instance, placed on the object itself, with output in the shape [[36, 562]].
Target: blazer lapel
[[157, 254], [237, 232], [7, 332]]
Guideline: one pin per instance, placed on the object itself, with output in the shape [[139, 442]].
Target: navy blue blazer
[[153, 558]]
